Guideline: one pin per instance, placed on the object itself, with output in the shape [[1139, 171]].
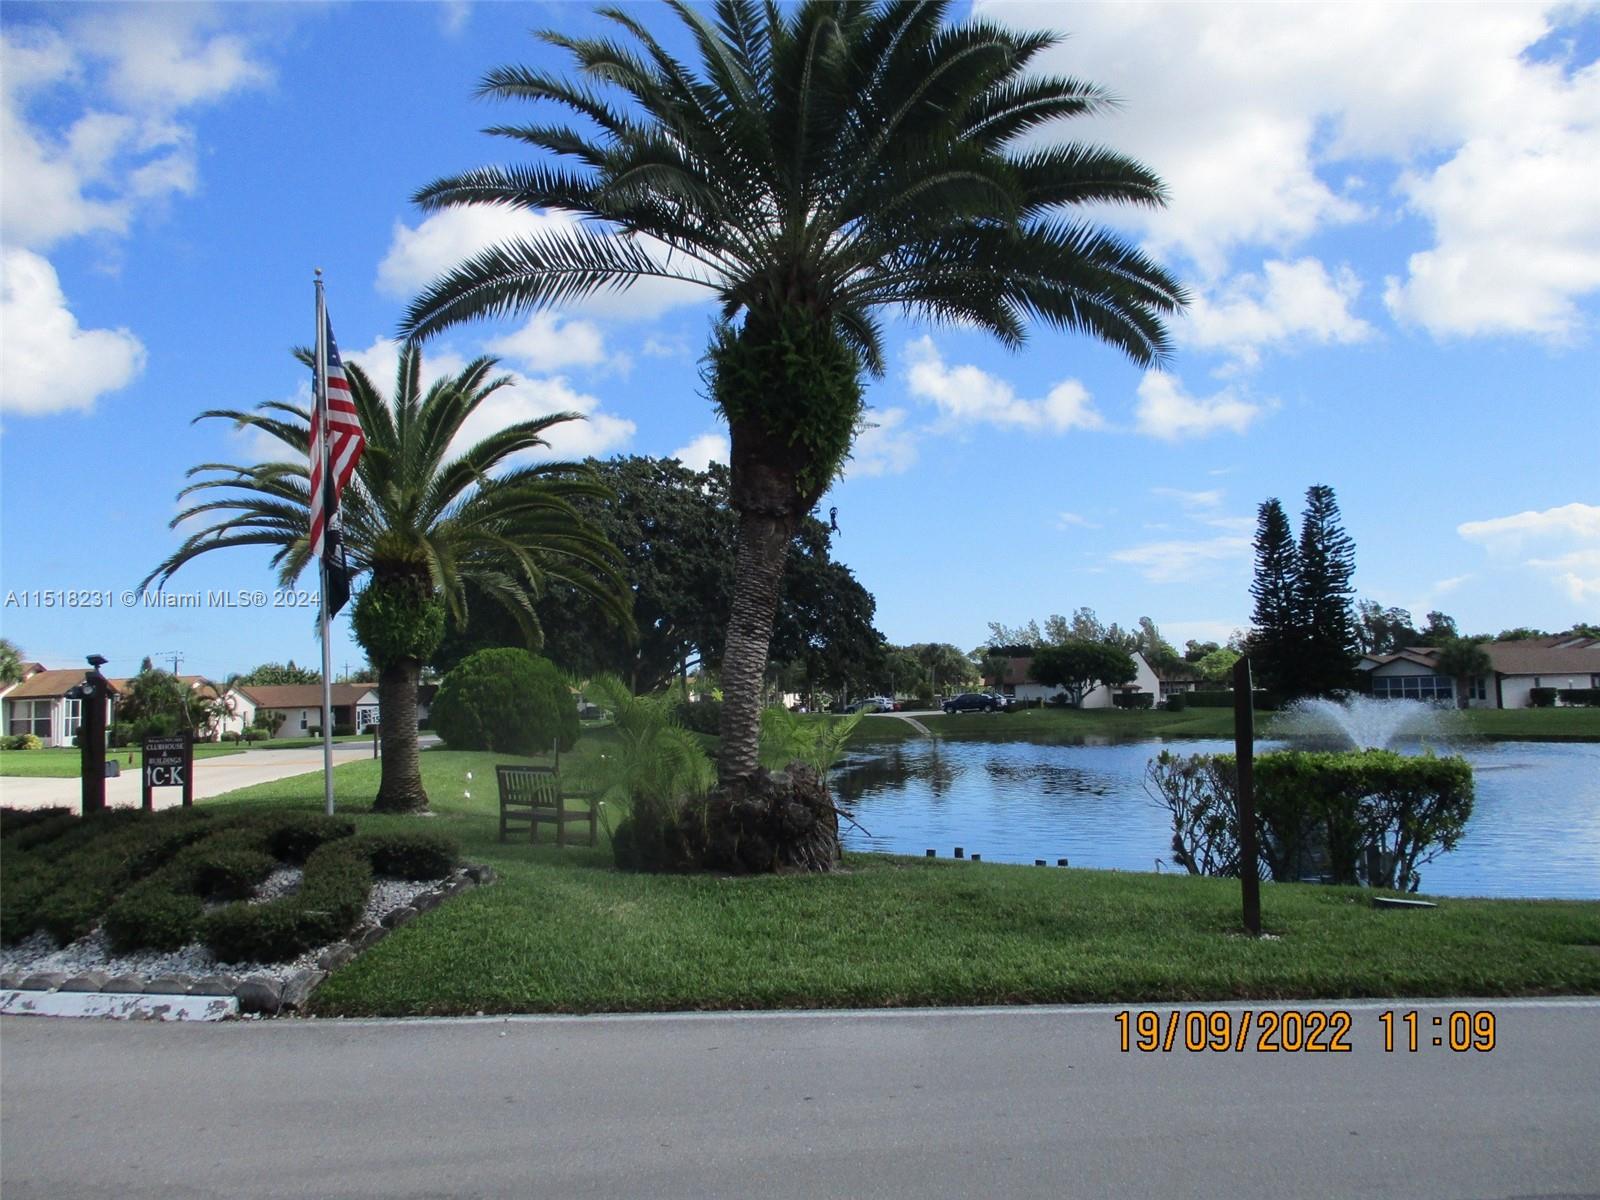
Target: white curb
[[121, 1006]]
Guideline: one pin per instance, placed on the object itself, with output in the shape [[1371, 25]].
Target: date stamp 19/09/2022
[[1300, 1031]]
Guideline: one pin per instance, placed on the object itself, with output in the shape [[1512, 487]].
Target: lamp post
[[91, 695]]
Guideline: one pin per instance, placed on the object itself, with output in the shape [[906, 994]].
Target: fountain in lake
[[1362, 722]]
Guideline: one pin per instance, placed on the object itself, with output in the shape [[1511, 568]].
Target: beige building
[[1563, 663]]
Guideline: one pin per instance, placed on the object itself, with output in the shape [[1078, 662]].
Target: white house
[[1564, 663], [39, 705], [1019, 685], [299, 706]]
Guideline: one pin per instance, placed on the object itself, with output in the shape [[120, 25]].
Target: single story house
[[39, 705], [1018, 684], [299, 706], [1517, 668]]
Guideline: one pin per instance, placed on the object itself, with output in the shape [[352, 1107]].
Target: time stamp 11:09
[[1299, 1031]]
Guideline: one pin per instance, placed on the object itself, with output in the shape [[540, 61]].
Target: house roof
[[1530, 656], [306, 695], [44, 684]]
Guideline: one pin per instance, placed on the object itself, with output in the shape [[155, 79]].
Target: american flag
[[333, 461]]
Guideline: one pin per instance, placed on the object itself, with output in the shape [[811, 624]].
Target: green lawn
[[1055, 724], [66, 762], [562, 931]]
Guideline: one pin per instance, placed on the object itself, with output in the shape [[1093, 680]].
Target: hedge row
[[146, 879]]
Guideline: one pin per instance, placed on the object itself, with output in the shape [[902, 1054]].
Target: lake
[[1535, 827]]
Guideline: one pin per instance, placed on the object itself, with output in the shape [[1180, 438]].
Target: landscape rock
[[89, 981], [399, 917], [170, 985], [214, 985], [336, 955], [259, 994], [427, 901], [298, 990], [130, 984], [369, 937], [44, 981], [10, 981]]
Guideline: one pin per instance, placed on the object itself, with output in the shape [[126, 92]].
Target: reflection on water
[[1535, 829]]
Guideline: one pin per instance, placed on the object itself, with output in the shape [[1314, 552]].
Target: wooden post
[[188, 769], [93, 692], [1244, 747]]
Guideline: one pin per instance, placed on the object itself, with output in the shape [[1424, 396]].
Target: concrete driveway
[[212, 777]]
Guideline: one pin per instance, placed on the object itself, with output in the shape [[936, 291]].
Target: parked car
[[972, 702]]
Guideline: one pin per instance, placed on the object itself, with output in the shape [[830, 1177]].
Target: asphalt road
[[918, 1104]]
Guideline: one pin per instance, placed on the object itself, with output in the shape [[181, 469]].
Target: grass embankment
[[66, 762], [562, 931], [1065, 725]]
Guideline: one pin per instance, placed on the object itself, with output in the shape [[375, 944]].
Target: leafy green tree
[[1327, 560], [1382, 630], [1194, 651], [1521, 633], [1217, 666], [1275, 629], [423, 518], [158, 702], [824, 623], [818, 164], [276, 675], [10, 662], [1078, 667], [1463, 660], [943, 666], [1439, 630]]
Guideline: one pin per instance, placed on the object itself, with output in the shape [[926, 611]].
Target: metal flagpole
[[321, 449]]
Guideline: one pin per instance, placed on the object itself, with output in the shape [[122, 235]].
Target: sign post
[[168, 762], [1244, 749]]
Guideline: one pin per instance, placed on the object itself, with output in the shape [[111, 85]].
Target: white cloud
[[1300, 105], [416, 257], [523, 399], [1576, 521], [884, 446], [548, 343], [1166, 411], [1180, 561], [453, 16], [702, 451], [967, 395], [1190, 500], [1562, 544], [97, 167], [1072, 520], [47, 362], [1288, 303]]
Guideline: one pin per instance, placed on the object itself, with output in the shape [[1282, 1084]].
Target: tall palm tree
[[422, 519], [817, 163]]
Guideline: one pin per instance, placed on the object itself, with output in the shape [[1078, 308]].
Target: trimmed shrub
[[1542, 697], [342, 730], [291, 838], [1261, 701], [24, 741], [1132, 700], [331, 899], [1581, 697], [257, 735], [507, 701], [152, 916], [423, 855], [700, 716], [14, 821], [1177, 702]]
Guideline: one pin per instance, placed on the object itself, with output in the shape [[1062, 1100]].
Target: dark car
[[971, 702]]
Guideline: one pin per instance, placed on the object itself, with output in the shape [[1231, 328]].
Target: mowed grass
[[1067, 725], [563, 931], [66, 762]]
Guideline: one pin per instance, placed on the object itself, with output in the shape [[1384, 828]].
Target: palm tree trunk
[[400, 785], [758, 577]]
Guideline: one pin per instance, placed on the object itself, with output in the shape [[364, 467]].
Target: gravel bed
[[38, 953]]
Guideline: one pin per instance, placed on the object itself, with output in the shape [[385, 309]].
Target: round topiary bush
[[508, 701]]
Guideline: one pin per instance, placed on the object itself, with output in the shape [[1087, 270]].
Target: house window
[[72, 718], [1477, 689], [31, 716], [1432, 688], [302, 718]]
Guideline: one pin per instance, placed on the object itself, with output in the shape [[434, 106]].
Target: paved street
[[924, 1104], [212, 777]]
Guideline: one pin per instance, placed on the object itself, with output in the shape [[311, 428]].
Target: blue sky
[[1386, 215]]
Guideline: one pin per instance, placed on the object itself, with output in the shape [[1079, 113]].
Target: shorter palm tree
[[1463, 660], [422, 520]]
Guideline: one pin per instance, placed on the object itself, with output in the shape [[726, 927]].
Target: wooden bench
[[533, 795]]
